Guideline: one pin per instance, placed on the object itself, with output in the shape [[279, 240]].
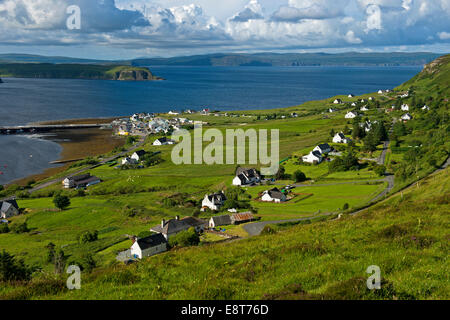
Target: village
[[158, 237]]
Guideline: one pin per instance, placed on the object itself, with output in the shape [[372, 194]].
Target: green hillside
[[323, 257], [74, 71]]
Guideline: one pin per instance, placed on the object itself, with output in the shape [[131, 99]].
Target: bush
[[185, 239], [12, 269], [61, 202], [88, 236], [4, 228], [346, 206], [20, 228], [299, 176]]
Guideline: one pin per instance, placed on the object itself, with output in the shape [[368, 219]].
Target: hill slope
[[75, 71]]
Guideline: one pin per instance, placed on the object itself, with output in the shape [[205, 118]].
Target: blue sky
[[123, 29]]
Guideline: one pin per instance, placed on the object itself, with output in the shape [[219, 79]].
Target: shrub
[[4, 228], [61, 202], [299, 176], [88, 236], [20, 228], [12, 269], [185, 239], [345, 207]]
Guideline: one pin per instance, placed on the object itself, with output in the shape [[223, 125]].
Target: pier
[[45, 128]]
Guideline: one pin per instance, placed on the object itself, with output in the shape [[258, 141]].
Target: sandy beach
[[77, 144]]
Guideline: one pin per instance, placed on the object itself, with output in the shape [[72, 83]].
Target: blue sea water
[[219, 88]]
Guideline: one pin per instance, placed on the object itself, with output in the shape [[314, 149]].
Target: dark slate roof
[[275, 193], [341, 135], [248, 172], [217, 198], [87, 181], [172, 226], [222, 220], [140, 153], [317, 154], [324, 146], [151, 241], [10, 202], [81, 177], [194, 222]]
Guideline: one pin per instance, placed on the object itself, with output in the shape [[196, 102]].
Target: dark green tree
[[299, 176], [61, 202]]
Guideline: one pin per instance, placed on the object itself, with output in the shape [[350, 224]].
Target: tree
[[59, 261], [88, 236], [4, 228], [346, 130], [380, 170], [381, 132], [370, 142], [51, 252], [280, 175], [185, 239], [299, 176], [332, 133], [20, 228], [61, 202], [12, 269]]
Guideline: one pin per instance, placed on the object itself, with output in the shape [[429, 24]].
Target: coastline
[[76, 144]]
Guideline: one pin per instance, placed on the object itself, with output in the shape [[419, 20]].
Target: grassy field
[[406, 236]]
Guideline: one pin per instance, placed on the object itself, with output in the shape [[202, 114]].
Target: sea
[[218, 88]]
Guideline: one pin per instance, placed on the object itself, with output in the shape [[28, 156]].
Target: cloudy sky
[[115, 29]]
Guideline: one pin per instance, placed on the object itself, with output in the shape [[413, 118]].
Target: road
[[58, 180]]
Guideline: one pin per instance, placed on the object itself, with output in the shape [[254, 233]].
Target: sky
[[125, 29]]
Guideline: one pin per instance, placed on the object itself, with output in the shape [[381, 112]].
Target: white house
[[370, 98], [163, 141], [351, 95], [173, 112], [82, 181], [380, 91], [425, 107], [246, 177], [8, 208], [323, 148], [364, 108], [340, 138], [148, 246], [353, 104], [214, 201], [337, 101], [313, 157], [137, 156], [406, 117], [331, 110], [128, 161], [273, 195], [174, 226], [351, 115], [405, 107]]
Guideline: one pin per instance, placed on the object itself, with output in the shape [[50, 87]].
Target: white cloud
[[213, 25]]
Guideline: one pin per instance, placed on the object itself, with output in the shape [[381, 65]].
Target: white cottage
[[273, 195], [8, 208], [405, 107], [149, 246], [340, 138], [214, 201], [313, 157], [246, 177], [351, 115]]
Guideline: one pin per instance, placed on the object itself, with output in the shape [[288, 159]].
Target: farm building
[[242, 217], [148, 246], [8, 208], [218, 221]]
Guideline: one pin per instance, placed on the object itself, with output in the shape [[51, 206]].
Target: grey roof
[[80, 177], [275, 193], [6, 204], [87, 181], [247, 172], [151, 241], [194, 222], [217, 198], [140, 153], [324, 146], [317, 154], [222, 220], [172, 226]]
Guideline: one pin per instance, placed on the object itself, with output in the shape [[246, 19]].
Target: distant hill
[[294, 59], [240, 59], [30, 58], [76, 71]]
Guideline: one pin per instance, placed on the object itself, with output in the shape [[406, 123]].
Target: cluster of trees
[[12, 269], [185, 239], [151, 159], [234, 199], [346, 163], [88, 236]]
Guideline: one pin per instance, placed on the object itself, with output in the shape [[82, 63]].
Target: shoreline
[[75, 144]]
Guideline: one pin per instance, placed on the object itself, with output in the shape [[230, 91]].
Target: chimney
[[177, 218], [134, 239], [163, 222]]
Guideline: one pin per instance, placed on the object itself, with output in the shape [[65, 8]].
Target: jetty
[[45, 128]]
